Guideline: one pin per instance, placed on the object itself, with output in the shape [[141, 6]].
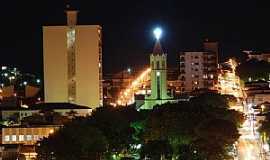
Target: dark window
[[163, 65], [183, 78], [158, 87]]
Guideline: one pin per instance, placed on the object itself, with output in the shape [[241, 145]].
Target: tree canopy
[[203, 128], [253, 69]]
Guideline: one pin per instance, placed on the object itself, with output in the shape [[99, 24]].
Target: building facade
[[198, 70], [73, 63], [26, 135], [258, 98], [63, 109], [20, 141], [259, 56]]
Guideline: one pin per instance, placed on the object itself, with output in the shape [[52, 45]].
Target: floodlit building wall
[[198, 70], [26, 136], [73, 64], [55, 63], [88, 66]]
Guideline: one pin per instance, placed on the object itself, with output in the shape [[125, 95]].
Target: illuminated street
[[229, 82], [126, 96], [249, 143]]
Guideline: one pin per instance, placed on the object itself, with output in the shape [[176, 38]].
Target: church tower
[[158, 64]]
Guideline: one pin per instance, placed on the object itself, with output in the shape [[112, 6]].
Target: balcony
[[182, 72], [182, 59], [182, 65]]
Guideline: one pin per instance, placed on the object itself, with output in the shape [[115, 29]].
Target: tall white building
[[73, 63], [198, 70]]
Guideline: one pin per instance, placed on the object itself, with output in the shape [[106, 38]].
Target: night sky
[[127, 28]]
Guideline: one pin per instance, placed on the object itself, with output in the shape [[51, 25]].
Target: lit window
[[28, 137], [7, 138], [36, 137], [211, 76], [13, 138], [158, 73], [21, 137], [4, 67]]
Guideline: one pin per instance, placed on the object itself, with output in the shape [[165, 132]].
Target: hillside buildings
[[260, 56]]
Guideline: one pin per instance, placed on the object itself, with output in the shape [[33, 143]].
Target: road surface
[[249, 147]]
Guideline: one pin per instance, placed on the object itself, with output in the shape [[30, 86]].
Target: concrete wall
[[88, 88], [55, 63], [87, 66]]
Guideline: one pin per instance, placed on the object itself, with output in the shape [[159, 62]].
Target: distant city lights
[[129, 70], [25, 83], [4, 67]]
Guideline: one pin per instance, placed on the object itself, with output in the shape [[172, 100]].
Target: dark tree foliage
[[214, 138], [45, 117], [75, 141], [156, 149], [205, 124], [106, 132], [254, 69], [115, 125], [203, 128]]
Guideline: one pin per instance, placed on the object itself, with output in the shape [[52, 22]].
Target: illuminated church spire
[[158, 63], [157, 48]]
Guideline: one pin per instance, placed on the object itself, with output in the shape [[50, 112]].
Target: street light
[[129, 70], [262, 107]]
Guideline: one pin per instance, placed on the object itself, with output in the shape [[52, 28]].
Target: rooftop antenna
[[71, 15]]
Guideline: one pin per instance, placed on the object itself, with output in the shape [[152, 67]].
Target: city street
[[249, 143]]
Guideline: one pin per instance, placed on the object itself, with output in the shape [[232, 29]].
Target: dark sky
[[127, 28]]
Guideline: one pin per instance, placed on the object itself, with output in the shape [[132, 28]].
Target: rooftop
[[41, 106]]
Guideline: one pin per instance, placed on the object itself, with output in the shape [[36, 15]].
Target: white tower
[[73, 63], [158, 63]]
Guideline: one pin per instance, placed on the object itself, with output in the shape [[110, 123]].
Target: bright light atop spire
[[157, 32]]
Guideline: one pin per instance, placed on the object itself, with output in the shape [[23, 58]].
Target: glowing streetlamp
[[262, 107], [129, 70], [51, 131], [157, 32]]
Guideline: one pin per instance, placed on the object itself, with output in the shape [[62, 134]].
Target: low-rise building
[[27, 135], [260, 56], [20, 141], [62, 108], [258, 98]]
